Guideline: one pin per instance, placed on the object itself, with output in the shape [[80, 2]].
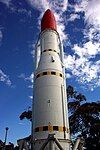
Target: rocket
[[50, 125]]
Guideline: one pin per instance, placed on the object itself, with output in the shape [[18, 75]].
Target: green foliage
[[27, 115], [74, 99], [84, 118]]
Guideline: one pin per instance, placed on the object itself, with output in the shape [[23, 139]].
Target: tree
[[84, 118], [27, 115], [75, 99], [85, 121]]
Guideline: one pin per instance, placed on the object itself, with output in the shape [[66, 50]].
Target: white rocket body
[[50, 112]]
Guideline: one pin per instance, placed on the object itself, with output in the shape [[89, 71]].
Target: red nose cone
[[48, 21]]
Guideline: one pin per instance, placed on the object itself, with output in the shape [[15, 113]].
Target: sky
[[78, 24]]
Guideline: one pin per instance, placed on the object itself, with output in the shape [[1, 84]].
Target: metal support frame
[[51, 140], [79, 144]]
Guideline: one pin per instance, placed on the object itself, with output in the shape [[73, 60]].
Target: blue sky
[[78, 23]]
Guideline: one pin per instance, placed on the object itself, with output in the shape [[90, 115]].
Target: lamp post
[[5, 137]]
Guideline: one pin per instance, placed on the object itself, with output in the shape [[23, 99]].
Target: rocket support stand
[[51, 140]]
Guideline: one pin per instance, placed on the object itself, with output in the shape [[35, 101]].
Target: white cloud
[[68, 75], [88, 49], [58, 7], [1, 36], [92, 13], [27, 78], [92, 34], [80, 64], [7, 2], [40, 4], [86, 72], [73, 17], [44, 4], [17, 9], [5, 78], [33, 51], [31, 97], [81, 7], [91, 8], [20, 123], [30, 86], [31, 77]]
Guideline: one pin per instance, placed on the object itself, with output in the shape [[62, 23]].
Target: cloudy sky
[[78, 23]]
